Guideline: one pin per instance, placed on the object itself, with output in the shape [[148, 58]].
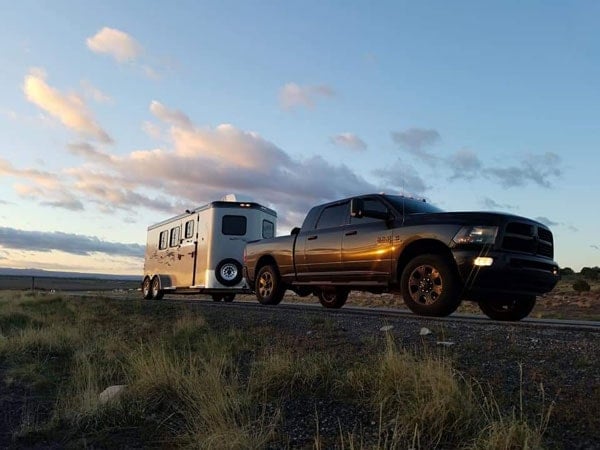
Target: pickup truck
[[390, 243]]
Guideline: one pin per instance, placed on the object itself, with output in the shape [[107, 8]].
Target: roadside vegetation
[[182, 383]]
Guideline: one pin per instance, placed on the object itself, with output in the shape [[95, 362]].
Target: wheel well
[[263, 261], [422, 247]]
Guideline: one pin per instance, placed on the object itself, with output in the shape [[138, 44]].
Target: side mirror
[[357, 207], [295, 231]]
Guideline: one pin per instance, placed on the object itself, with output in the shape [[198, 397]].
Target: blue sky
[[117, 115]]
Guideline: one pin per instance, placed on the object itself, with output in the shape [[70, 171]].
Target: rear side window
[[234, 225], [189, 229], [333, 216], [268, 229], [174, 241], [163, 240]]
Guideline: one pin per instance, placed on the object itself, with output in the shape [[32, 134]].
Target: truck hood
[[467, 218]]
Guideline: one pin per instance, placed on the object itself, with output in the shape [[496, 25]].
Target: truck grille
[[528, 238]]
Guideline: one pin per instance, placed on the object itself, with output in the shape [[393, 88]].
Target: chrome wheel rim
[[265, 285], [229, 272], [425, 284], [155, 287], [146, 287]]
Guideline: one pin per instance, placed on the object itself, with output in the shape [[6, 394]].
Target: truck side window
[[333, 216], [371, 204], [164, 239], [234, 225], [268, 229], [174, 241], [189, 229]]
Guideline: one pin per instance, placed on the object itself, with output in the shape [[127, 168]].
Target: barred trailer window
[[174, 237], [189, 229], [163, 240]]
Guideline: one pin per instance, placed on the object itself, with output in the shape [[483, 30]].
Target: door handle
[[351, 233], [311, 238]]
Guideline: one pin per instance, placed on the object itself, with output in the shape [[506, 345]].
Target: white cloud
[[115, 43], [293, 95], [171, 116], [68, 108], [349, 140], [464, 163], [91, 91]]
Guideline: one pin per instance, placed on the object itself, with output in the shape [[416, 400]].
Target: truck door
[[367, 246], [186, 252], [321, 248]]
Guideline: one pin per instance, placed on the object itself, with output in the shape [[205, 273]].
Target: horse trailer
[[201, 251]]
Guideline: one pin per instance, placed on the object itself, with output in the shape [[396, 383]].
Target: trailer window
[[189, 229], [164, 240], [174, 241], [268, 229], [234, 225]]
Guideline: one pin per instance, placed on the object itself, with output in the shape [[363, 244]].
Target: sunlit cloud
[[350, 141], [116, 43], [293, 95], [70, 109], [92, 92], [170, 116]]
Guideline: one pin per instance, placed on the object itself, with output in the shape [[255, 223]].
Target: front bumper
[[510, 273]]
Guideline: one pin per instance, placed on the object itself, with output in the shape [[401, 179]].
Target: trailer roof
[[216, 204]]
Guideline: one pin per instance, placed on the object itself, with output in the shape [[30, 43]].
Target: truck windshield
[[412, 206]]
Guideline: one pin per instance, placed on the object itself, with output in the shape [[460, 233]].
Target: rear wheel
[[147, 288], [217, 297], [268, 286], [430, 286], [512, 308], [229, 272], [333, 297], [157, 292]]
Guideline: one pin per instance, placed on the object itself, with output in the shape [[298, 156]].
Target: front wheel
[[508, 309], [333, 297], [268, 286], [430, 286]]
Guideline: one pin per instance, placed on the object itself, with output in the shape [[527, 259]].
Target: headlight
[[476, 235]]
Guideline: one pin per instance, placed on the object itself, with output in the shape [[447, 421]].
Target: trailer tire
[[268, 286], [228, 298], [147, 288], [217, 297], [333, 297], [229, 272], [157, 292], [511, 309]]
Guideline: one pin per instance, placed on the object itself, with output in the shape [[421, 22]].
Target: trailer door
[[186, 252]]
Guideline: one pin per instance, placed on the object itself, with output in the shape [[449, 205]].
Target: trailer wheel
[[229, 272], [512, 308], [268, 286], [217, 297], [430, 286], [147, 288], [157, 292], [333, 297]]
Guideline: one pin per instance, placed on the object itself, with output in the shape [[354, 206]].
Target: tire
[[333, 298], [512, 308], [228, 298], [217, 297], [268, 286], [156, 292], [147, 288], [430, 286], [229, 272]]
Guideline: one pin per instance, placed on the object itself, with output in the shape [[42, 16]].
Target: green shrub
[[581, 286]]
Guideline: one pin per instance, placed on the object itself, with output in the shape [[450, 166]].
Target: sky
[[116, 115]]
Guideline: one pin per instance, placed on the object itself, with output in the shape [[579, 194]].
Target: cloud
[[90, 91], [403, 177], [539, 169], [596, 247], [116, 43], [416, 141], [293, 95], [68, 108], [58, 197], [464, 164], [42, 178], [494, 205], [75, 244], [349, 140], [546, 221], [170, 116]]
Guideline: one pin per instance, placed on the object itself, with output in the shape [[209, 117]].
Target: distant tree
[[591, 273], [581, 286], [566, 271]]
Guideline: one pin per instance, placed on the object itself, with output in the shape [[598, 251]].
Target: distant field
[[63, 284]]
